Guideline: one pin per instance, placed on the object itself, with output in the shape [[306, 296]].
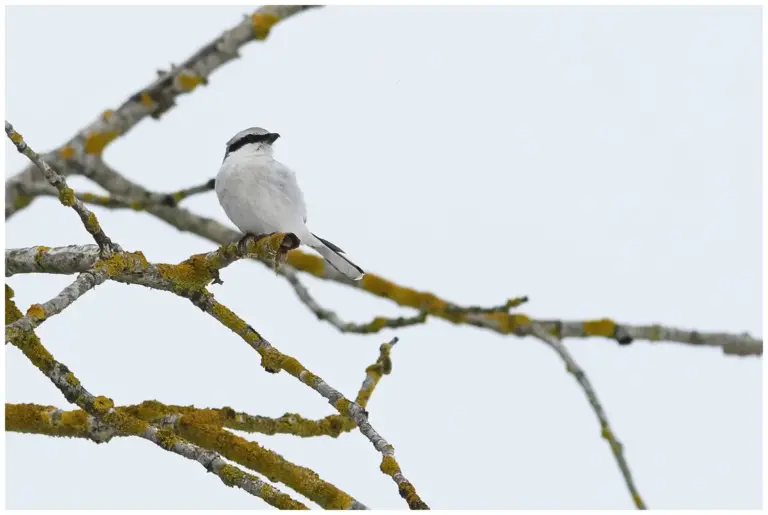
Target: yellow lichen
[[146, 99], [73, 423], [188, 81], [92, 223], [17, 138], [166, 438], [148, 410], [191, 274], [405, 296], [377, 324], [103, 404], [364, 395], [22, 201], [271, 359], [71, 379], [389, 466], [11, 310], [106, 115], [342, 405], [28, 418], [41, 249], [123, 262], [602, 327], [96, 142], [518, 320], [36, 311], [66, 152], [309, 263], [67, 196], [236, 324], [261, 23]]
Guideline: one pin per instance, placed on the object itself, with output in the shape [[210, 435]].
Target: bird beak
[[272, 137]]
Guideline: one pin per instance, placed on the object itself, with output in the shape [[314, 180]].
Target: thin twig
[[374, 326], [38, 313], [66, 195], [574, 369], [141, 203]]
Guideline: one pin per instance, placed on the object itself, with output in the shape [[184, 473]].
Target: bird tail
[[334, 256]]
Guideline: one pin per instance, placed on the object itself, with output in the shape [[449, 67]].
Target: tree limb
[[66, 195], [574, 369], [102, 410], [22, 261]]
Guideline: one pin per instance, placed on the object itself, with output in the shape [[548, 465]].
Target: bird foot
[[280, 257]]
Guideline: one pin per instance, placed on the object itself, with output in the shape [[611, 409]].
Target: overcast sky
[[603, 161]]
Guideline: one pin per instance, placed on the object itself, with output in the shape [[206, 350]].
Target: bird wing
[[291, 188]]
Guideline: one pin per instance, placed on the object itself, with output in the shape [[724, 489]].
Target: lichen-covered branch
[[504, 308], [102, 410], [86, 147], [578, 373], [66, 195], [38, 313], [172, 199], [189, 278], [52, 421], [505, 323], [374, 326], [120, 202], [199, 426]]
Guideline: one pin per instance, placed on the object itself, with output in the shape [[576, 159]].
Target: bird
[[260, 195]]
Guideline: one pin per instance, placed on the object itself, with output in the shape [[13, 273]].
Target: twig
[[38, 313], [102, 409], [173, 199], [119, 202], [374, 326], [606, 431], [66, 195], [504, 308]]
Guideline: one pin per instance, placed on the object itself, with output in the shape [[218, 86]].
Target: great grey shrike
[[261, 196]]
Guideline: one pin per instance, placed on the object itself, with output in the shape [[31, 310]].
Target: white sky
[[603, 161]]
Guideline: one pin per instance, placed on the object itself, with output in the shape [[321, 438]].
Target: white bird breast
[[260, 195]]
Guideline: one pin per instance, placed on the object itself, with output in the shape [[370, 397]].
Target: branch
[[51, 421], [504, 323], [38, 313], [189, 278], [118, 201], [374, 326], [66, 195], [199, 426], [102, 410], [574, 369], [86, 147], [195, 272]]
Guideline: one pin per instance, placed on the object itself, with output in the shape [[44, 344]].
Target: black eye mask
[[269, 137]]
